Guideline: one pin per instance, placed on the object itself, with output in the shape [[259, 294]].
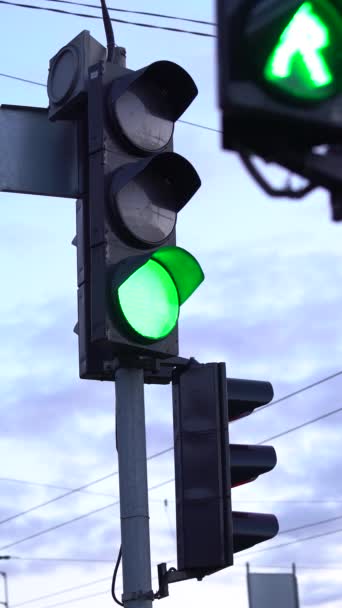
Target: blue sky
[[269, 307]]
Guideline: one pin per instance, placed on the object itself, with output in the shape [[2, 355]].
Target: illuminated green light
[[149, 301], [297, 64]]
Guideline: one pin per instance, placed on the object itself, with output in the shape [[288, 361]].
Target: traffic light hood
[[168, 78], [181, 265]]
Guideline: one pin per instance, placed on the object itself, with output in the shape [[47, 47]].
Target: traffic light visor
[[304, 62], [152, 289], [146, 103]]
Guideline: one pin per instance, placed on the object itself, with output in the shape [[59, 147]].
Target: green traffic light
[[149, 301], [302, 62], [151, 296]]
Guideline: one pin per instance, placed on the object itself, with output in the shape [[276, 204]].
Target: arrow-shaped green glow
[[304, 38]]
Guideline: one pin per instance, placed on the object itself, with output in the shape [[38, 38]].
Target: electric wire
[[287, 531], [155, 455], [109, 32], [77, 599], [83, 597], [59, 497], [58, 559], [78, 518], [55, 487], [89, 16], [47, 485], [301, 390], [315, 523], [300, 426], [66, 590], [118, 560], [295, 428], [293, 542], [144, 13], [40, 84], [331, 567], [72, 491]]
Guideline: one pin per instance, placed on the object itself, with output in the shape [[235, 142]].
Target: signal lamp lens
[[142, 113], [303, 63], [149, 301]]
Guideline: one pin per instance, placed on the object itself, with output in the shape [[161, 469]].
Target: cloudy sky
[[270, 307]]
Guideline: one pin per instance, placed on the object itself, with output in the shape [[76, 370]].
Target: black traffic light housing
[[254, 111], [68, 76], [137, 185], [132, 278], [207, 466], [258, 118]]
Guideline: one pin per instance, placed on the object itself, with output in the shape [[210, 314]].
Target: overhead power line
[[66, 590], [55, 487], [301, 426], [74, 490], [34, 508], [78, 599], [59, 497], [301, 390], [89, 16], [125, 10], [331, 567], [157, 454], [74, 588], [292, 542], [159, 484], [78, 518], [316, 523], [253, 552], [40, 84], [60, 559]]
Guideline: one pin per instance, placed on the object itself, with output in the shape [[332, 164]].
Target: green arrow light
[[151, 296], [298, 63]]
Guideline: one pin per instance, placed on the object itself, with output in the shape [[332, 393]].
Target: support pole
[[5, 603], [131, 446]]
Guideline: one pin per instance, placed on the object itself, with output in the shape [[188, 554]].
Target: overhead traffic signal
[[132, 277], [207, 466], [280, 82]]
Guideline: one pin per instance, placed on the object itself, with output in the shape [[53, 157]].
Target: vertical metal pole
[[131, 446], [248, 571], [5, 603], [295, 582]]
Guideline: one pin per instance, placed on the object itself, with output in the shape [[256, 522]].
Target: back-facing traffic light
[[207, 466], [132, 277]]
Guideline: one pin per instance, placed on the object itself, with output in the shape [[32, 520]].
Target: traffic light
[[132, 277], [207, 467], [280, 83]]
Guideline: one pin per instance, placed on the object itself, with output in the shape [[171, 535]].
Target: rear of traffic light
[[132, 277], [207, 467], [280, 81], [248, 462]]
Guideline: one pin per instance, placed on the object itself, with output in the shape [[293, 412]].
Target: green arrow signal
[[297, 63]]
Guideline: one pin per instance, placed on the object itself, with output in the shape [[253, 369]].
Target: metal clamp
[[156, 371], [165, 577], [137, 595]]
